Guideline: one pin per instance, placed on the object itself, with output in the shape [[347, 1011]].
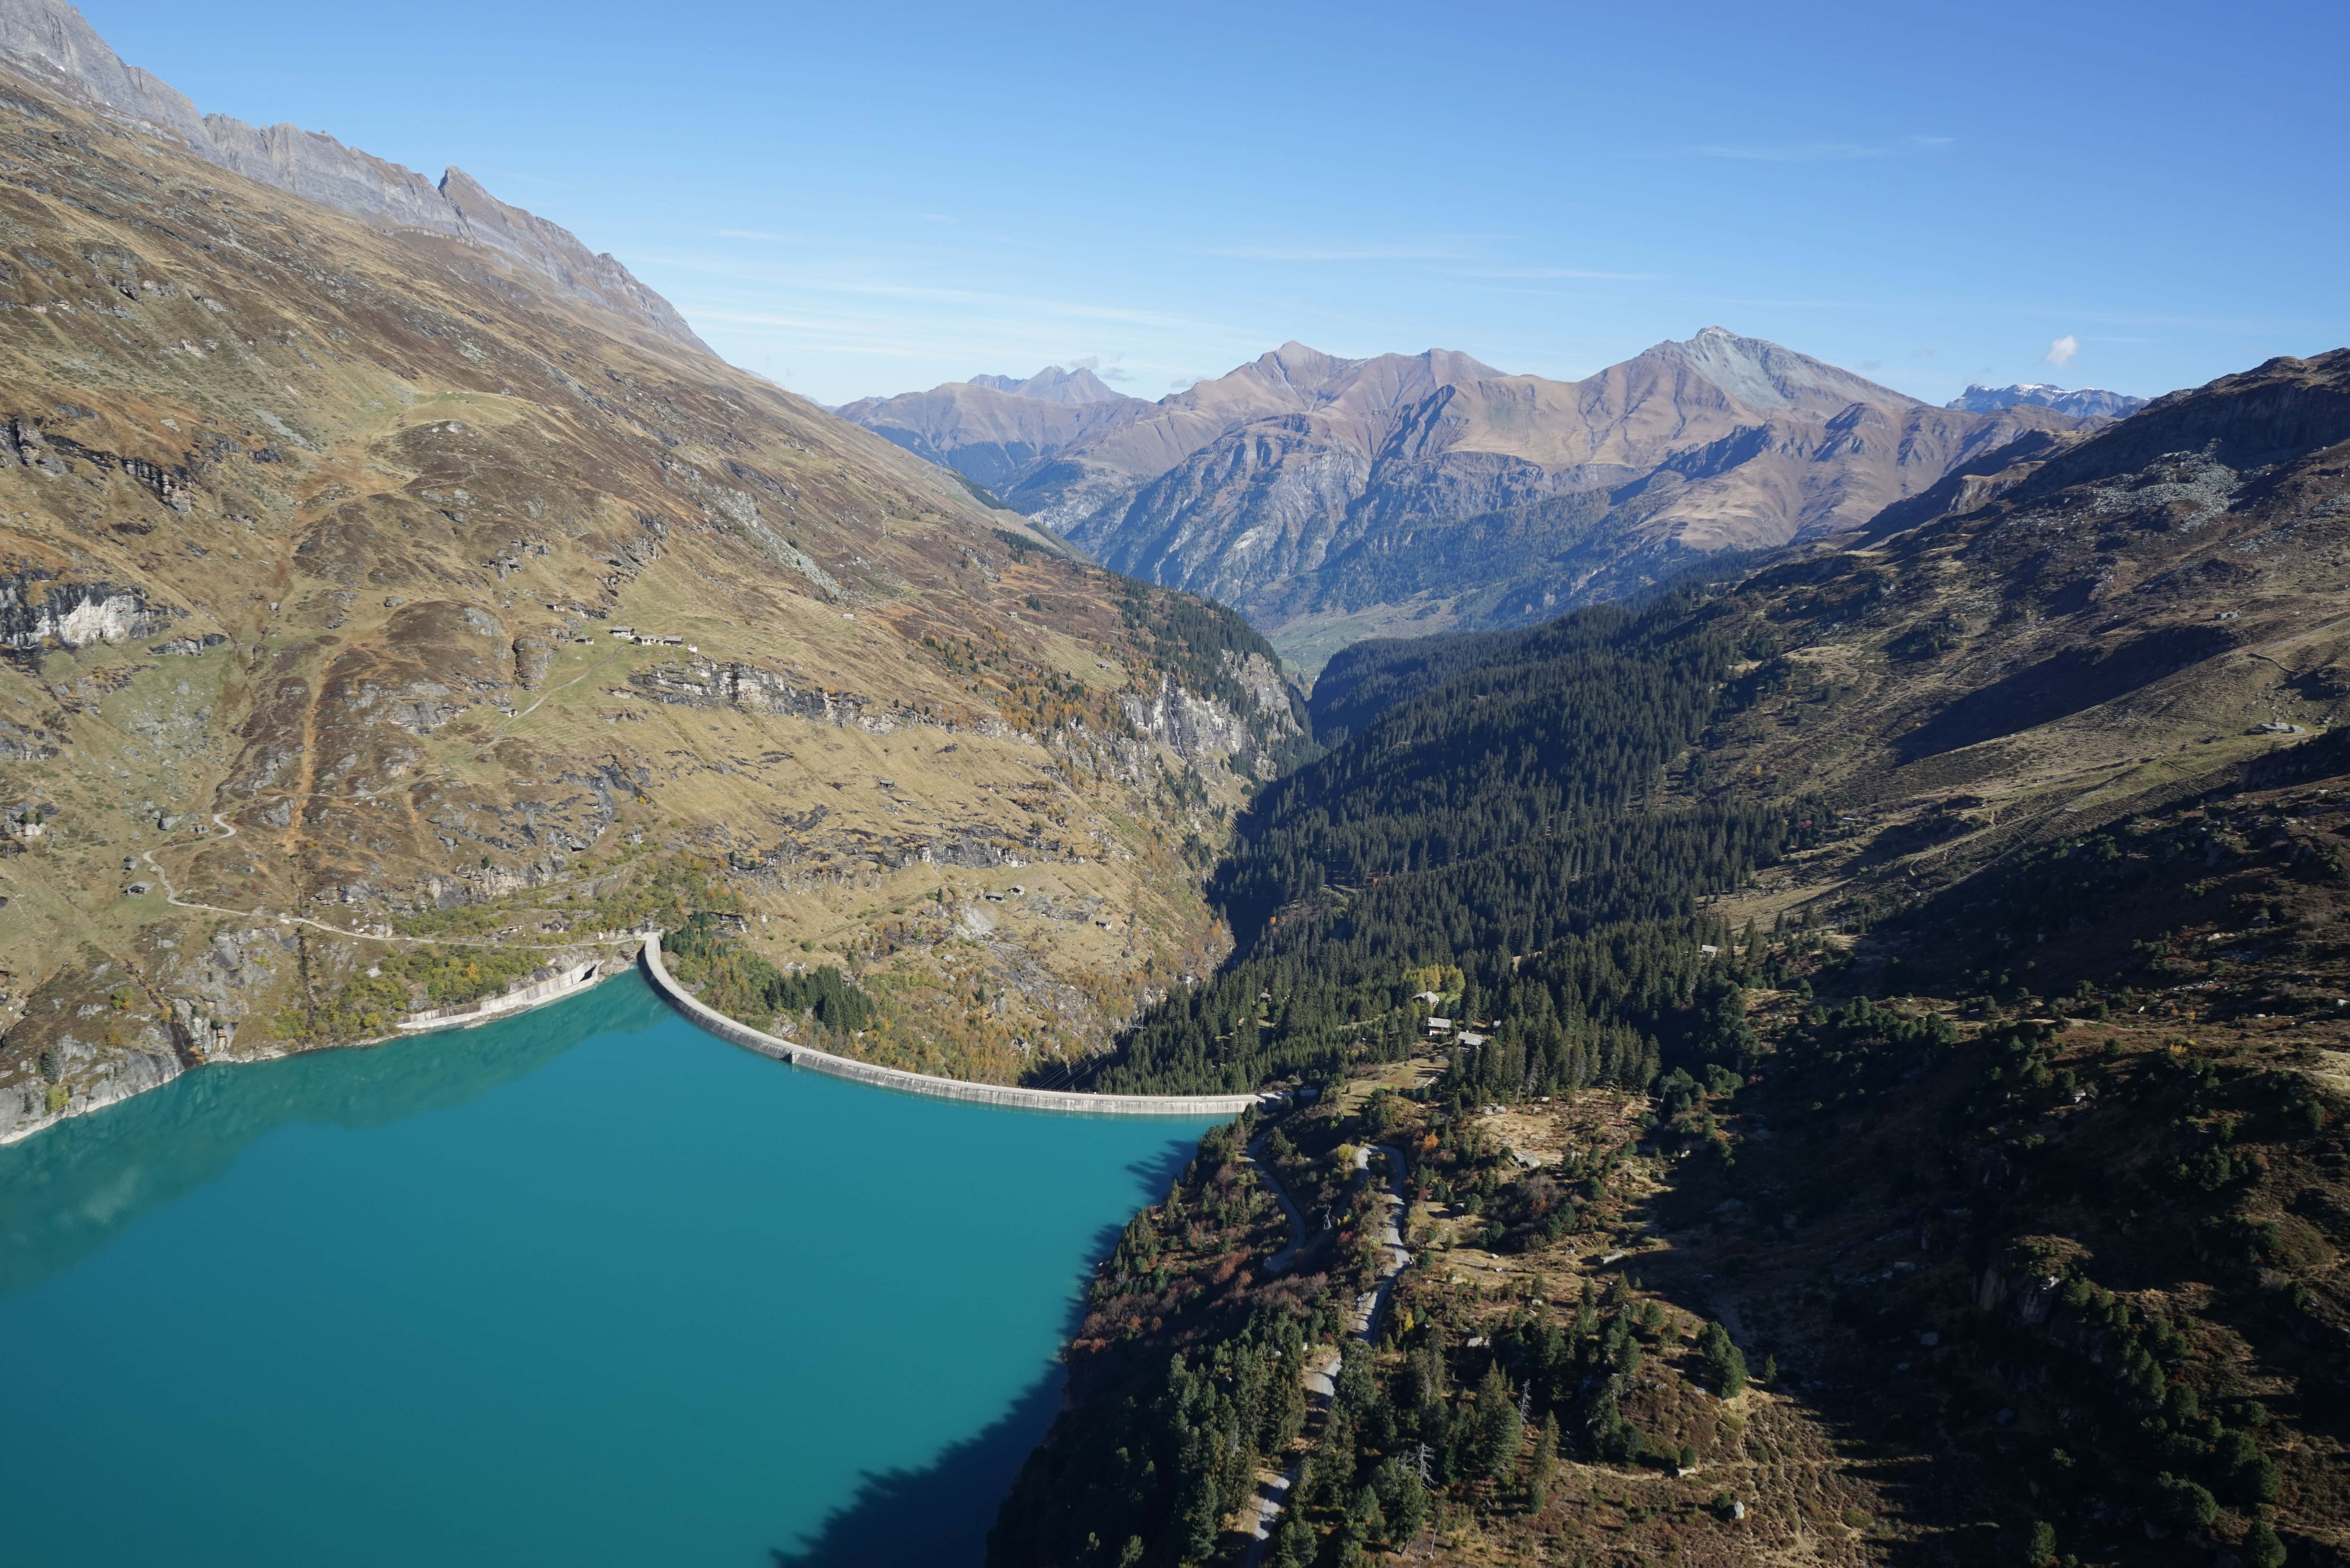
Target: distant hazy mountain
[[2085, 402], [1330, 498], [53, 45], [1054, 385], [990, 428]]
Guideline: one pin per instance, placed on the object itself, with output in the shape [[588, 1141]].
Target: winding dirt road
[[1370, 1310], [172, 897]]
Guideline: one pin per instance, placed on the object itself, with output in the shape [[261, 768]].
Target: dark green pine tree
[[1500, 1432]]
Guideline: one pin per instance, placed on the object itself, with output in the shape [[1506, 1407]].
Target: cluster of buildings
[[1438, 1028], [647, 639]]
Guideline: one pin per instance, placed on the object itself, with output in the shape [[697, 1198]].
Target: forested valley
[[1863, 1063]]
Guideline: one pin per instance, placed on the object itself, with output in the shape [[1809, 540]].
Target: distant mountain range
[[1055, 384], [53, 45], [1331, 499], [2087, 402]]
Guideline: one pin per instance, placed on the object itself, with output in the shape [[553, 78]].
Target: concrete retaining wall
[[750, 1039], [576, 976]]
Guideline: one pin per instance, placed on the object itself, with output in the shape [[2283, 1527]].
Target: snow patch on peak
[[2085, 402]]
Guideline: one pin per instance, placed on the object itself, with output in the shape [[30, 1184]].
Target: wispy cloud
[[502, 176], [1339, 253], [2062, 351], [1539, 273], [1108, 370], [1804, 153], [1821, 151], [915, 294]]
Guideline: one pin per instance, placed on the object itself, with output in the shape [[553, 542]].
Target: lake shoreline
[[580, 976], [435, 1020]]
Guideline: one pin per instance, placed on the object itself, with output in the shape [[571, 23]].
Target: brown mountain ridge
[[316, 535], [1329, 499]]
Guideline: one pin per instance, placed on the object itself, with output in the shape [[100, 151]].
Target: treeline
[[1503, 820]]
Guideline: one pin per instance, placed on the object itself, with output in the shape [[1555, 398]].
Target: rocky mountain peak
[[1297, 378], [1333, 497], [54, 47], [1306, 369], [1766, 377]]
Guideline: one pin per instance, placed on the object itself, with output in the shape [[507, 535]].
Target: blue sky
[[865, 199]]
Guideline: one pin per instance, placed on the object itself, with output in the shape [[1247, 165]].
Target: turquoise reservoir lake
[[585, 1286]]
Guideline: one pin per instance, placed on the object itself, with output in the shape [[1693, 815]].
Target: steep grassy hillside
[[318, 543]]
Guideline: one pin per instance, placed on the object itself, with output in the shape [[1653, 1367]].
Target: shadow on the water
[[1155, 1173], [66, 1192], [939, 1516]]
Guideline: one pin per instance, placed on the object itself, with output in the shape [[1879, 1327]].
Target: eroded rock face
[[37, 610], [707, 683], [1192, 727], [532, 657], [85, 1040]]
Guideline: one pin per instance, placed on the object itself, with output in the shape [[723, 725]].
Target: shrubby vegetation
[[742, 985], [449, 962]]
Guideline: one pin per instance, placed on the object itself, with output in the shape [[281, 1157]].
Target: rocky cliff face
[[1330, 497], [317, 534], [1204, 732], [51, 44], [37, 611]]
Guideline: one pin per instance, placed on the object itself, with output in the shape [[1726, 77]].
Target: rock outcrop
[[38, 610]]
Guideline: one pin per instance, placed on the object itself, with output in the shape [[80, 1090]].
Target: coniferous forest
[[1505, 819]]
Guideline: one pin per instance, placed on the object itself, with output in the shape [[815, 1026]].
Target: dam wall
[[1006, 1094]]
